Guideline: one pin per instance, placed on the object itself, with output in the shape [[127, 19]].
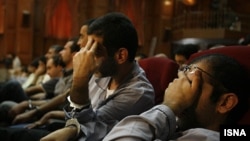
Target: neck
[[215, 124], [69, 66], [123, 71]]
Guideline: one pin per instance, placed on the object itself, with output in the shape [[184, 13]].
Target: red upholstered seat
[[240, 53], [160, 71]]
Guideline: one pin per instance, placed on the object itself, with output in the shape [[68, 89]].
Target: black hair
[[43, 59], [57, 48], [233, 76], [117, 32], [74, 47], [57, 61], [35, 62], [186, 50]]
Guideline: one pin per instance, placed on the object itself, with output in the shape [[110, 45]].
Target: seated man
[[14, 91], [108, 84], [208, 93]]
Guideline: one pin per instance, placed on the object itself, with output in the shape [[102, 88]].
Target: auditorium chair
[[160, 71], [241, 54]]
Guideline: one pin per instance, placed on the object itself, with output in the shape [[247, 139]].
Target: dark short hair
[[35, 62], [117, 32], [233, 76], [57, 61], [57, 48], [186, 50], [74, 47]]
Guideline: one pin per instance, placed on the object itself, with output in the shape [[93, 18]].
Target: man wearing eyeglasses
[[207, 94]]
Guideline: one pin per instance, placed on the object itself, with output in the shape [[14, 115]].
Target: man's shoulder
[[200, 134]]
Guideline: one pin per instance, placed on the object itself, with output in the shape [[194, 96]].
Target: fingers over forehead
[[181, 74], [89, 43], [196, 82], [94, 46]]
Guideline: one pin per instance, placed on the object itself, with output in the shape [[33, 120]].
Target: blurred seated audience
[[22, 98], [37, 70], [59, 94], [53, 50]]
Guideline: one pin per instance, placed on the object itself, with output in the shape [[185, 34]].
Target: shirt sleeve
[[49, 87], [133, 97], [156, 123], [108, 112]]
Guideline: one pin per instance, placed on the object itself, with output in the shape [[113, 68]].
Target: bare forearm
[[63, 134], [79, 91], [54, 102], [33, 90], [57, 114]]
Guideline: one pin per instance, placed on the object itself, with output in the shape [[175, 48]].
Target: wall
[[27, 39]]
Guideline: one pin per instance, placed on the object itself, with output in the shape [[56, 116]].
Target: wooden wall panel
[[24, 46], [9, 36], [99, 8], [2, 17], [24, 24], [38, 33], [28, 42]]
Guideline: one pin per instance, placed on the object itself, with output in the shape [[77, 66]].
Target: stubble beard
[[108, 67]]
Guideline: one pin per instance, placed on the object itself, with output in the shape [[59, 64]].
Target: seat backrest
[[160, 71], [242, 55]]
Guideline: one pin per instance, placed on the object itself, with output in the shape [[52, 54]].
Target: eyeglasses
[[192, 68]]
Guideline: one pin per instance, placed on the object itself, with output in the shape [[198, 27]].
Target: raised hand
[[180, 93]]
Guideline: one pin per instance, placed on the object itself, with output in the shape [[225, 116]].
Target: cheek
[[53, 73], [204, 99], [84, 42], [49, 72], [205, 109]]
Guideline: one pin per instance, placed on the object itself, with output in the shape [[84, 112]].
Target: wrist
[[36, 112], [74, 125], [30, 105], [174, 107]]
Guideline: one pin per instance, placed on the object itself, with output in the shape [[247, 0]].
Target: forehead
[[204, 66], [179, 56], [68, 44], [84, 29], [201, 64], [51, 50], [50, 62]]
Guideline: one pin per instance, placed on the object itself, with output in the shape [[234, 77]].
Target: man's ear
[[227, 102], [122, 55]]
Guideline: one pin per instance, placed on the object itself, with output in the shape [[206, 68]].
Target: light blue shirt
[[134, 96], [156, 124]]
